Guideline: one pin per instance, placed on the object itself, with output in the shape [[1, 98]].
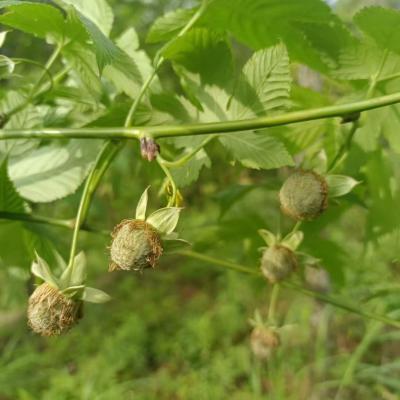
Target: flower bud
[[263, 341], [50, 312], [304, 195], [277, 263], [136, 245]]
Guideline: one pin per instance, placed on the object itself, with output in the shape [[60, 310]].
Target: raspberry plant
[[307, 110]]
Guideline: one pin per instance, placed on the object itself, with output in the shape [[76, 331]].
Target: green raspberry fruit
[[50, 312], [136, 245], [277, 263], [304, 195], [263, 341]]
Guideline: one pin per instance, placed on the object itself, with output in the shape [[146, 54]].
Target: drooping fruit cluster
[[278, 262], [263, 341], [304, 195], [136, 245], [50, 312]]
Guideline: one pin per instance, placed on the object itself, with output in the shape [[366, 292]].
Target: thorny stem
[[214, 128], [290, 285]]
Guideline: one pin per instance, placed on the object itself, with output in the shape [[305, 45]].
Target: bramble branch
[[211, 128]]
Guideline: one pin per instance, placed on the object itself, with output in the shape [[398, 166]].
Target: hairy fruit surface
[[136, 245], [263, 341], [50, 312], [304, 195], [277, 263]]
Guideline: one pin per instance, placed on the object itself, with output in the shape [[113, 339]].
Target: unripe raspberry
[[136, 245], [263, 341], [304, 195], [50, 312], [277, 263]]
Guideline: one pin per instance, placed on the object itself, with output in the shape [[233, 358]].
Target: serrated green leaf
[[53, 172], [381, 24], [107, 53], [167, 26], [203, 52], [142, 205], [190, 171], [84, 65], [264, 85], [6, 66], [258, 151], [263, 23], [364, 60], [165, 219], [339, 185], [10, 200], [93, 295], [97, 11], [129, 43], [39, 19]]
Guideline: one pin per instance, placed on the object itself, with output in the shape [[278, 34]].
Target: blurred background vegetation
[[182, 331]]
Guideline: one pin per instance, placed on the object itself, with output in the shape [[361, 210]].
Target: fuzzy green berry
[[277, 263], [304, 195], [263, 341], [50, 312], [136, 245]]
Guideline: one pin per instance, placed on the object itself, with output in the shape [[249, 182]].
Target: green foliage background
[[182, 330]]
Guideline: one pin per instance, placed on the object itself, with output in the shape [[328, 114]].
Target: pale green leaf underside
[[53, 172], [166, 26], [257, 151]]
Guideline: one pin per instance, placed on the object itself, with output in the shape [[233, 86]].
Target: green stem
[[109, 151], [38, 219], [214, 128], [345, 147], [167, 172], [306, 292], [37, 90], [104, 158], [295, 228], [272, 303], [184, 159], [65, 223]]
